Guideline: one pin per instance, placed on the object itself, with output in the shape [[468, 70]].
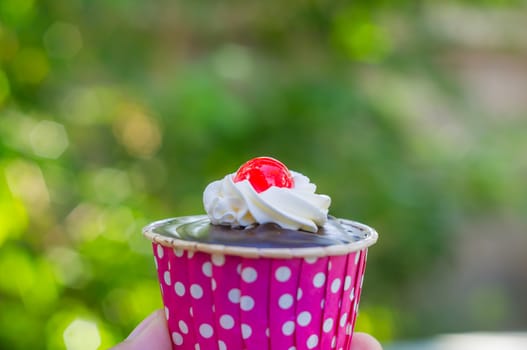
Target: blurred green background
[[410, 115]]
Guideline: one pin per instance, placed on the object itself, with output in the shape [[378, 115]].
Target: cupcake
[[265, 268]]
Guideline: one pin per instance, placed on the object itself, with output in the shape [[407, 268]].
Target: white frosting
[[237, 204]]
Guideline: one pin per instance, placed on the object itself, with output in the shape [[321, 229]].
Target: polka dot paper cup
[[226, 297]]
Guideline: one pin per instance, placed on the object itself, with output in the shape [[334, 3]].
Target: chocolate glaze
[[199, 229]]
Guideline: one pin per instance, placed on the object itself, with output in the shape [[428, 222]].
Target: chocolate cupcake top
[[197, 233], [264, 210]]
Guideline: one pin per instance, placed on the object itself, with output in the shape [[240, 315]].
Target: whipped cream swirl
[[237, 204]]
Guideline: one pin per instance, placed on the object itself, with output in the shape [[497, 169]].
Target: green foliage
[[115, 113]]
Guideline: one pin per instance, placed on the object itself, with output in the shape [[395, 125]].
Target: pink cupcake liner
[[227, 311], [222, 301], [254, 285], [360, 269]]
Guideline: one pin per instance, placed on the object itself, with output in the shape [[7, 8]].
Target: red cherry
[[264, 172]]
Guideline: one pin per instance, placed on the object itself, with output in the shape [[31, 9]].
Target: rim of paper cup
[[255, 252]]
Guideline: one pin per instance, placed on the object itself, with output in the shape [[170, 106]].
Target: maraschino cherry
[[264, 172]]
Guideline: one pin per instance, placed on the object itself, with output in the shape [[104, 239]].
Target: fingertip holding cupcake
[[151, 333], [363, 341]]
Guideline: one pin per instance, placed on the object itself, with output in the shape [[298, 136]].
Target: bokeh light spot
[[62, 40], [233, 62], [15, 127], [138, 133], [69, 267], [83, 106], [83, 223], [82, 335], [26, 181], [118, 223], [49, 139], [30, 66], [111, 185]]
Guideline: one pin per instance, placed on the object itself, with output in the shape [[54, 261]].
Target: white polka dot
[[292, 348], [246, 303], [249, 274], [299, 294], [328, 325], [334, 342], [246, 331], [207, 269], [319, 279], [218, 259], [361, 281], [285, 301], [304, 318], [166, 313], [155, 263], [288, 328], [169, 265], [283, 274], [166, 277], [179, 288], [349, 328], [311, 260], [191, 311], [322, 303], [206, 330], [196, 347], [239, 269], [160, 251], [335, 285], [343, 319], [330, 265], [312, 341], [183, 327], [347, 283], [357, 255], [267, 332], [213, 284], [226, 321], [222, 345], [196, 291], [178, 252], [234, 295], [177, 338], [190, 254], [352, 294]]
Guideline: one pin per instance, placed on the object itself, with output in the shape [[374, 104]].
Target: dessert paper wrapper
[[217, 301]]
